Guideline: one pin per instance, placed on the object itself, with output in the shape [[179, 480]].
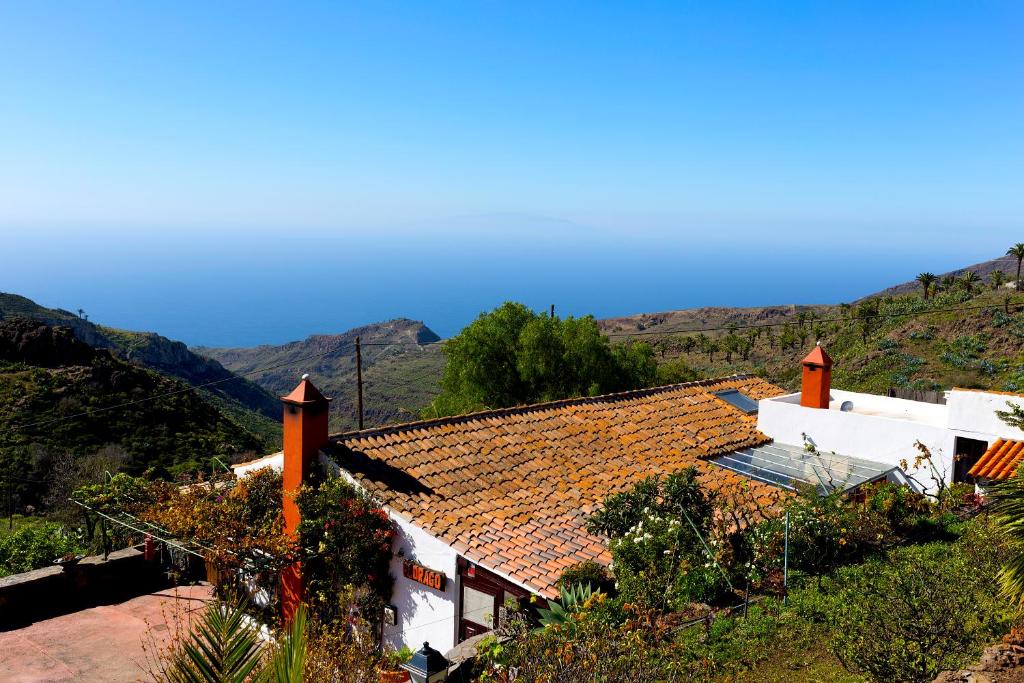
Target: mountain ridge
[[402, 365], [156, 352]]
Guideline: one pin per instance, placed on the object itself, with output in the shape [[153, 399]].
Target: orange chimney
[[305, 433], [817, 379]]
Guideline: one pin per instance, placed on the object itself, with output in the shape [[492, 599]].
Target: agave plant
[[572, 599]]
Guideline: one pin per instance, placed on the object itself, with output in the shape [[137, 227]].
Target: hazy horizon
[[243, 288], [172, 168]]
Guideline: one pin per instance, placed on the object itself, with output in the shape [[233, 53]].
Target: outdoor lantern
[[427, 665]]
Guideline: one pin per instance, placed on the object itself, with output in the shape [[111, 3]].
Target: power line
[[638, 333]]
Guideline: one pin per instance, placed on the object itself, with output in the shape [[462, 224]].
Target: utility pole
[[359, 380]]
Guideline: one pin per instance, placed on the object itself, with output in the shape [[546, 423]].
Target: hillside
[[912, 343], [1007, 264], [246, 401], [922, 348], [47, 373], [398, 381]]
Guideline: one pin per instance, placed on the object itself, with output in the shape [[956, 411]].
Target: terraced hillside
[[955, 338]]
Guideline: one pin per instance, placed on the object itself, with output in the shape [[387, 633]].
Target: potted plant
[[68, 560], [390, 665]]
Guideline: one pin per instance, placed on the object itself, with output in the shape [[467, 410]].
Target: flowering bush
[[666, 550], [824, 532], [597, 643], [345, 538]]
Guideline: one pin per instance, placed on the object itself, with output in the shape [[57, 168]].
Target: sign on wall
[[420, 574]]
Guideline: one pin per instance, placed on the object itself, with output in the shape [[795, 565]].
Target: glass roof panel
[[791, 467], [739, 400]]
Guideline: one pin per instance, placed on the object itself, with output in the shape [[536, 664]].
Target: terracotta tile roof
[[511, 489], [1000, 461]]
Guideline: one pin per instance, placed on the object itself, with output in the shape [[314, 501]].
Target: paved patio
[[99, 644]]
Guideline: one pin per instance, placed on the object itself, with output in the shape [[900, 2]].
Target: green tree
[[514, 356], [676, 372], [1017, 251], [926, 280], [969, 280], [947, 282], [1008, 506], [996, 278], [867, 317]]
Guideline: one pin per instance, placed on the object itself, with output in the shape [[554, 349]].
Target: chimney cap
[[818, 357], [305, 393]]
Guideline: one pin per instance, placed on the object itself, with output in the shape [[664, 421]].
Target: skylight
[[738, 400], [791, 467]]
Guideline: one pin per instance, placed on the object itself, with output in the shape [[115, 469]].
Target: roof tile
[[514, 487]]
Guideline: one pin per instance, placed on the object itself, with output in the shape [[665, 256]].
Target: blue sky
[[719, 126]]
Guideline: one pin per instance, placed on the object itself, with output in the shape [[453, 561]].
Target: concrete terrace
[[102, 644]]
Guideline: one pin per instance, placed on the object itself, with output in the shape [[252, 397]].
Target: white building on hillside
[[882, 429]]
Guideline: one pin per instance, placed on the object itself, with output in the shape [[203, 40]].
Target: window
[[738, 400], [478, 606]]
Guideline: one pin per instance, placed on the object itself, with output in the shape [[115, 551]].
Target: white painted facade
[[885, 429], [423, 614]]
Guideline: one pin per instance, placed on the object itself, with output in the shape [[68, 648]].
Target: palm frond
[[223, 648], [289, 657], [1008, 506]]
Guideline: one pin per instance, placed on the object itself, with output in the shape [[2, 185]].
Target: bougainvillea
[[345, 538]]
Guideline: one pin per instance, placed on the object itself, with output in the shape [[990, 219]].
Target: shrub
[[925, 610], [666, 551], [346, 540], [32, 547], [595, 646], [588, 573], [824, 532]]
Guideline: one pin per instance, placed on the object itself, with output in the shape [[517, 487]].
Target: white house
[[885, 430], [492, 506]]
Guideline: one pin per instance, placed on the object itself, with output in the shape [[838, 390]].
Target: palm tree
[[996, 278], [1017, 251], [947, 282], [225, 647], [968, 280], [926, 280], [1008, 507]]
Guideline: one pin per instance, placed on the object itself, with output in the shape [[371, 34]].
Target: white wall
[[275, 460], [424, 614], [872, 437], [975, 412]]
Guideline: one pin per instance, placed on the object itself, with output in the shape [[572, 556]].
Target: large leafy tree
[[514, 356]]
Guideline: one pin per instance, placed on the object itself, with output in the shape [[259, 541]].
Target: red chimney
[[305, 433], [817, 379]]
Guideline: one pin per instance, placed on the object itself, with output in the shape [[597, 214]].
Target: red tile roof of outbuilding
[[1000, 461]]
